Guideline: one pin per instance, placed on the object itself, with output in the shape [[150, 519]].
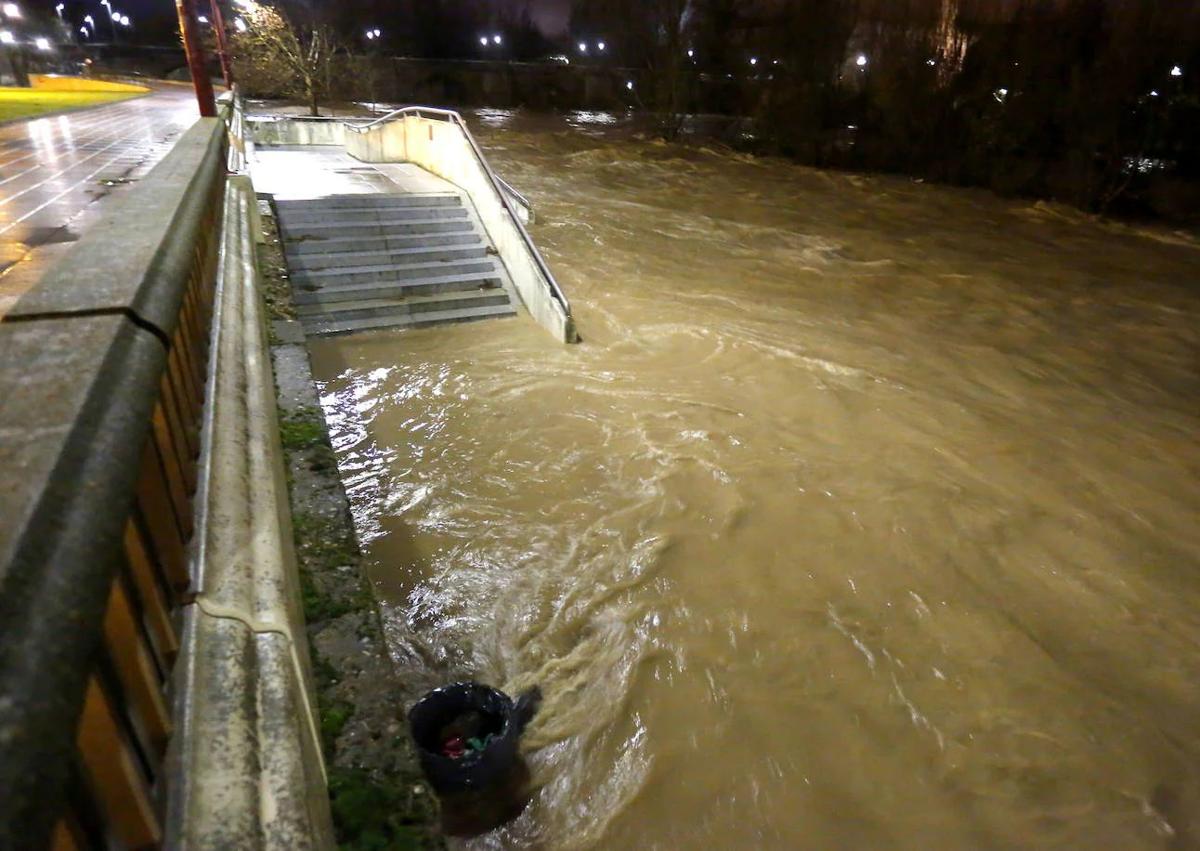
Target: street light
[[12, 10], [202, 19], [6, 37], [59, 9], [124, 19], [601, 46], [753, 60], [496, 39], [240, 24], [861, 61], [483, 40], [42, 43], [84, 32], [1176, 71], [89, 20], [691, 53], [583, 47]]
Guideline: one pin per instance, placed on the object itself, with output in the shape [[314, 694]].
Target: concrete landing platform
[[303, 172]]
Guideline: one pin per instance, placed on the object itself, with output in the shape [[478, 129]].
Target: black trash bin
[[469, 711]]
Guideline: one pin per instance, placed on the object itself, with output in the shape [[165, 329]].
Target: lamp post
[[194, 49], [112, 27], [218, 25]]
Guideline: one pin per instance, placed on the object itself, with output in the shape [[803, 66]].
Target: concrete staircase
[[361, 262]]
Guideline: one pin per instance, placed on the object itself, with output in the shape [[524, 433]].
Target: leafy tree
[[290, 55]]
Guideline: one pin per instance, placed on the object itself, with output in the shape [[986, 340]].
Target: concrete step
[[308, 294], [351, 202], [370, 308], [416, 320], [391, 272], [339, 216], [351, 259], [349, 244], [387, 228]]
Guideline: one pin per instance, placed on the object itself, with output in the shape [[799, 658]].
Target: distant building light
[[753, 60], [691, 54], [1003, 92], [12, 10], [42, 43], [496, 39], [629, 85], [240, 24], [861, 61], [931, 62], [483, 40], [1175, 72], [6, 37], [601, 46], [370, 34], [583, 47], [1154, 93], [774, 61], [202, 19], [378, 33]]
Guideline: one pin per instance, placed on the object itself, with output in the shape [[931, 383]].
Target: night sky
[[551, 15]]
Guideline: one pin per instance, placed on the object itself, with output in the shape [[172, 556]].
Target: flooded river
[[866, 515]]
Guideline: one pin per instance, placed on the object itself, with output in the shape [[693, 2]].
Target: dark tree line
[[1070, 99]]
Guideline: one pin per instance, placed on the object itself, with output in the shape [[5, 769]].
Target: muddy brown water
[[866, 516]]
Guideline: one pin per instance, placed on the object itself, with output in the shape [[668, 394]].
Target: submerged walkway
[[57, 173]]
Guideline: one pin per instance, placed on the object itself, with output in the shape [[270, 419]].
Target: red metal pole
[[194, 49], [218, 22]]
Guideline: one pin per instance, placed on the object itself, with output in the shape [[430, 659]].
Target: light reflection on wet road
[[56, 172]]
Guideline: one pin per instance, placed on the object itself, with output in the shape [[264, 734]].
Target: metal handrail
[[497, 183]]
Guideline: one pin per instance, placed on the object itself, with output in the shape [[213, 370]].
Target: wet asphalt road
[[58, 174]]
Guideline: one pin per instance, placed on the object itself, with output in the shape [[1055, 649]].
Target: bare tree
[[275, 54]]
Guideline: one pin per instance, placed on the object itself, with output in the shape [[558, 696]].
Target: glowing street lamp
[[753, 60], [202, 19], [124, 19], [483, 40], [496, 39], [691, 53], [59, 9], [240, 25], [583, 47], [7, 37], [601, 46], [629, 85], [83, 31], [89, 20], [1176, 71], [861, 61], [12, 10], [42, 43]]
